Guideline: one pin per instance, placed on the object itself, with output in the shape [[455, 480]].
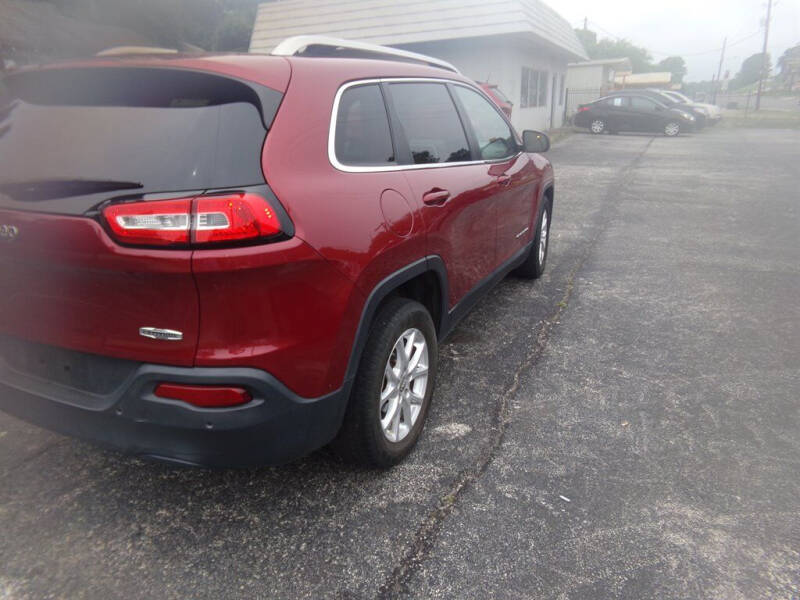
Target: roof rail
[[328, 46], [130, 50]]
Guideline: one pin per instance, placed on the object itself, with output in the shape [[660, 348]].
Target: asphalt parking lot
[[626, 427]]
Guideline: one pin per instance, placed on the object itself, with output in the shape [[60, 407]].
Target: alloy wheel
[[543, 238], [405, 382], [598, 126]]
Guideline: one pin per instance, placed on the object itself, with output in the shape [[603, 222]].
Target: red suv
[[235, 260]]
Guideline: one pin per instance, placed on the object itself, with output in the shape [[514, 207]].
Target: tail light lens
[[162, 223], [228, 218], [233, 218], [583, 108]]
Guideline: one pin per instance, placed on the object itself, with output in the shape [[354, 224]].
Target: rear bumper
[[275, 427]]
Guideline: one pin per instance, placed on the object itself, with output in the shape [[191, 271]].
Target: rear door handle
[[503, 179], [436, 197]]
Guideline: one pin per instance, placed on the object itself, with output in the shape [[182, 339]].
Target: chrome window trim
[[386, 168]]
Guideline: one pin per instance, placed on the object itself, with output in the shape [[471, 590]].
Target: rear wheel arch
[[424, 281]]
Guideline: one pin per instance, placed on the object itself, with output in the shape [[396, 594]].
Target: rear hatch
[[73, 140]]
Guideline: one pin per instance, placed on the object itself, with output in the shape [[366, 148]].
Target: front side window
[[430, 123], [363, 137], [644, 104], [495, 138]]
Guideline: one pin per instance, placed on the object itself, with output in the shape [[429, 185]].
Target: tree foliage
[[209, 24], [640, 58], [750, 71], [675, 65]]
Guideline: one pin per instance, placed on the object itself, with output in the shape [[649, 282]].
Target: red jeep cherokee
[[235, 260]]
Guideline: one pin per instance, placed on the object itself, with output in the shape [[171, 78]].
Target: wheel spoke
[[391, 412], [396, 422], [419, 371], [414, 362], [416, 398], [391, 377], [402, 358], [407, 417]]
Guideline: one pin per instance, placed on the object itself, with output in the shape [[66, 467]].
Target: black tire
[[361, 439], [533, 268], [672, 129], [597, 126]]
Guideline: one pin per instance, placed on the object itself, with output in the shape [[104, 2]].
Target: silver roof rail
[[299, 44]]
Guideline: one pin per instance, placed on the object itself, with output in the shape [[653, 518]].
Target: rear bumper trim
[[275, 427]]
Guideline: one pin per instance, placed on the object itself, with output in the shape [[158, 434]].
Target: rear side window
[[67, 132], [430, 123], [363, 137], [617, 102], [495, 138]]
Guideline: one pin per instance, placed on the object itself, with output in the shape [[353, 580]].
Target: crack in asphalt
[[397, 583]]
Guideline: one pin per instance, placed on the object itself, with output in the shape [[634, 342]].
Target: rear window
[[64, 132], [363, 137], [430, 123]]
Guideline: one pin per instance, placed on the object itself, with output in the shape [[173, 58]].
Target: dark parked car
[[663, 97], [631, 112], [237, 259]]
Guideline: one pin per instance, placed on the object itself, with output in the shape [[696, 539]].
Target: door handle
[[436, 197], [504, 180]]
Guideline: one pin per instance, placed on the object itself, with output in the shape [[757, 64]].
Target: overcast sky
[[693, 29]]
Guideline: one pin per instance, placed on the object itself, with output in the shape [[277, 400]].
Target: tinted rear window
[[430, 122], [363, 137], [158, 130]]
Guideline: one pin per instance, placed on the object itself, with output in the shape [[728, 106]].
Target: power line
[[714, 51]]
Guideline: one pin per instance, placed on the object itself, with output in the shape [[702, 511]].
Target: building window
[[533, 88]]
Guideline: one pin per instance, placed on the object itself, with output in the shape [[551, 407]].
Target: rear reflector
[[225, 218], [205, 396]]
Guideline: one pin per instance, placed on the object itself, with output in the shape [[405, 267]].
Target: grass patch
[[771, 119]]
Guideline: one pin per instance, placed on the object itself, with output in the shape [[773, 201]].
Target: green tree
[[675, 65], [640, 58], [789, 65], [750, 71], [589, 40]]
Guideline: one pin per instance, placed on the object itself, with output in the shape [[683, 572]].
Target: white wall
[[500, 61], [587, 77]]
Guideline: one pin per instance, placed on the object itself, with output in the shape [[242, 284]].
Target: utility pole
[[585, 23], [764, 56], [719, 71]]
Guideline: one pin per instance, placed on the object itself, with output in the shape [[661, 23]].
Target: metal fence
[[747, 101], [576, 97]]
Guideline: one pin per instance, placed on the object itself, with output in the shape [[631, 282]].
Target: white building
[[597, 75], [523, 46]]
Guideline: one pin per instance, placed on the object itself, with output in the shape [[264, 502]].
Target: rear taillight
[[583, 108], [162, 223], [233, 218], [227, 218], [205, 396]]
